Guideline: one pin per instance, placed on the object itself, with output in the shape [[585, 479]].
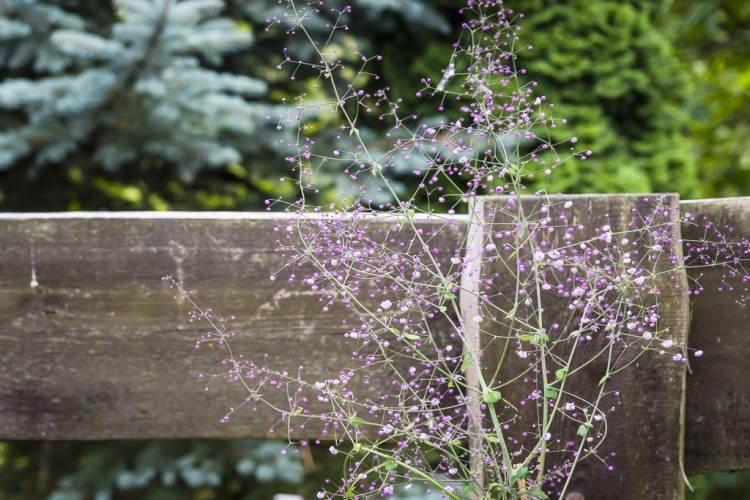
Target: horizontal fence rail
[[94, 346]]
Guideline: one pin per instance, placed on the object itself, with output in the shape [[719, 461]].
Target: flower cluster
[[476, 338]]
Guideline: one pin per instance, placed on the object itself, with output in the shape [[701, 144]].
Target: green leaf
[[356, 447], [357, 421], [467, 362], [519, 474], [603, 380], [410, 213], [446, 289], [537, 494], [411, 336], [583, 429], [550, 392], [442, 309], [535, 338], [491, 397], [492, 438], [511, 313], [561, 373], [390, 465], [469, 488]]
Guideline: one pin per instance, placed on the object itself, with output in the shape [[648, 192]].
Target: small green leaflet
[[492, 438], [410, 213], [519, 474], [411, 336], [537, 494], [511, 313], [446, 289], [469, 488], [560, 374], [357, 421], [604, 379], [583, 429], [442, 309], [391, 465], [550, 392], [356, 447], [535, 338], [491, 397], [467, 362]]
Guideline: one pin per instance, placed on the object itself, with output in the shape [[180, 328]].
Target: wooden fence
[[98, 348]]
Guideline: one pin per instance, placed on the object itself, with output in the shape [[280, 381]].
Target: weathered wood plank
[[643, 426], [717, 434], [100, 350]]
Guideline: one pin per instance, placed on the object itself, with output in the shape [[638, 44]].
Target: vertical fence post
[[469, 300], [644, 427], [718, 392]]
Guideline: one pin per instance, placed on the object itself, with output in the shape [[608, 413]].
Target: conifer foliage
[[612, 71], [146, 87]]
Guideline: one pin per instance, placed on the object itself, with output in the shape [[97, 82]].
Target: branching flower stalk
[[466, 344]]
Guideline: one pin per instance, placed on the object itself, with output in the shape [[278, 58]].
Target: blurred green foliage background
[[98, 113]]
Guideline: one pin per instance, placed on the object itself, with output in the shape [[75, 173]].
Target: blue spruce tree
[[151, 104], [145, 89]]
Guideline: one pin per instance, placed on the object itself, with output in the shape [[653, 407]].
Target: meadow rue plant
[[480, 339]]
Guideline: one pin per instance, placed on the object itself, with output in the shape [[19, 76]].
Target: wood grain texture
[[643, 417], [717, 435], [100, 350]]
